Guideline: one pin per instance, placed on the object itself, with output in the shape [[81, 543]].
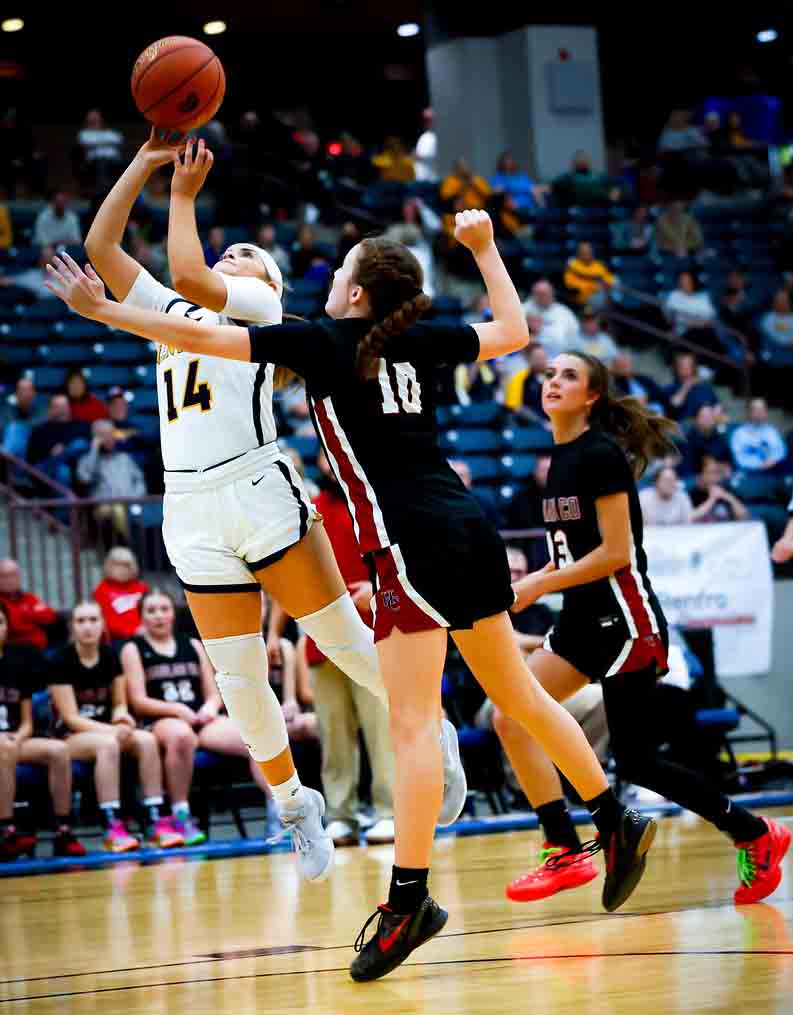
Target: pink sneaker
[[163, 835], [118, 839]]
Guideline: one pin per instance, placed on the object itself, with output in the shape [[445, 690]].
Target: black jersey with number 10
[[380, 435]]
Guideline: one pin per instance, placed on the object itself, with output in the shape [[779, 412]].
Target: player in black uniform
[[611, 628], [19, 745], [438, 565]]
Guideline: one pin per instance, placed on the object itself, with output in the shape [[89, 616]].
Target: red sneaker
[[561, 869], [66, 843], [759, 863], [14, 844]]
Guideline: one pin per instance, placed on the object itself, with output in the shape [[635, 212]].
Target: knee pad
[[341, 635], [241, 677]]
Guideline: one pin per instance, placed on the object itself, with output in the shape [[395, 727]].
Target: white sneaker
[[343, 834], [455, 785], [381, 832], [313, 845]]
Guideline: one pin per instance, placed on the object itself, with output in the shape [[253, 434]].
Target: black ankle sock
[[558, 825], [606, 811], [63, 822], [408, 888], [741, 825]]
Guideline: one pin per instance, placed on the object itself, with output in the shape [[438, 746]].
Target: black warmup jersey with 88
[[175, 678], [380, 435], [613, 625], [14, 689], [93, 685]]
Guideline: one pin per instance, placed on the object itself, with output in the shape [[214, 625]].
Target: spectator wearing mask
[[85, 407], [587, 278], [559, 325], [525, 511], [677, 232], [687, 393], [523, 393], [119, 594], [582, 186], [705, 437], [394, 162], [57, 224], [776, 326], [56, 444], [757, 445], [107, 473], [22, 411], [426, 151], [28, 616], [593, 340], [666, 502], [508, 178], [265, 238], [634, 236], [711, 501], [462, 185]]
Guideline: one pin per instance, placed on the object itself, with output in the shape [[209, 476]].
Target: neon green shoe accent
[[747, 871], [551, 851]]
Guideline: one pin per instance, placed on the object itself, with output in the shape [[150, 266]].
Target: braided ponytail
[[643, 434], [392, 278]]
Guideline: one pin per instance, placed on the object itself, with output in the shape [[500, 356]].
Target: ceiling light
[[409, 29], [767, 35], [12, 25], [214, 27]]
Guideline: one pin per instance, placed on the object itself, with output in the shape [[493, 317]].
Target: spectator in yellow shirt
[[6, 232], [587, 278], [394, 162], [461, 183]]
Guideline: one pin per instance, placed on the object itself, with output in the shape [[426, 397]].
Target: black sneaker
[[626, 858], [397, 935]]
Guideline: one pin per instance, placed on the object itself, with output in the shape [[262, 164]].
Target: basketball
[[178, 83]]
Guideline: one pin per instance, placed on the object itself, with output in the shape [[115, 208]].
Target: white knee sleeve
[[241, 664], [342, 636]]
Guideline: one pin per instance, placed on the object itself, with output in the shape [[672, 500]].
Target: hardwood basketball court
[[242, 936]]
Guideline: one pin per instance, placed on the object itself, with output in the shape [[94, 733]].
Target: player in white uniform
[[237, 517]]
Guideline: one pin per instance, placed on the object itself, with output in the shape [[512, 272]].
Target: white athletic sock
[[289, 795], [341, 635]]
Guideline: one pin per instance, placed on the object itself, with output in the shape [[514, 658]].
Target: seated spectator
[[665, 503], [583, 186], [476, 382], [395, 162], [426, 151], [735, 305], [523, 392], [588, 279], [559, 325], [690, 311], [638, 386], [171, 689], [679, 134], [777, 325], [22, 411], [215, 245], [677, 232], [33, 279], [417, 230], [265, 238], [56, 444], [462, 186], [705, 436], [18, 745], [28, 616], [118, 414], [687, 393], [757, 445], [85, 407], [634, 235], [508, 178], [531, 625], [56, 224], [593, 340], [119, 594], [464, 472], [308, 261], [101, 148], [107, 472], [525, 511], [711, 501], [89, 703]]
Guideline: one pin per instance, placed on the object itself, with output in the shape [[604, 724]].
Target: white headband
[[270, 266]]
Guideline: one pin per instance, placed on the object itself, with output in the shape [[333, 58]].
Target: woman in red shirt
[[86, 408], [119, 594]]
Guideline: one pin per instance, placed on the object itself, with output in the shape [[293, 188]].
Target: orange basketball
[[178, 83]]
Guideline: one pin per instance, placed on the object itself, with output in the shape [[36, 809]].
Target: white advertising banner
[[717, 576]]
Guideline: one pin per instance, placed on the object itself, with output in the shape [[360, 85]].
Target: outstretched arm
[[189, 272], [103, 243], [508, 331]]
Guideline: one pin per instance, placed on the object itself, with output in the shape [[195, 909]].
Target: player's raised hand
[[82, 291], [157, 151], [191, 169], [473, 229]]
